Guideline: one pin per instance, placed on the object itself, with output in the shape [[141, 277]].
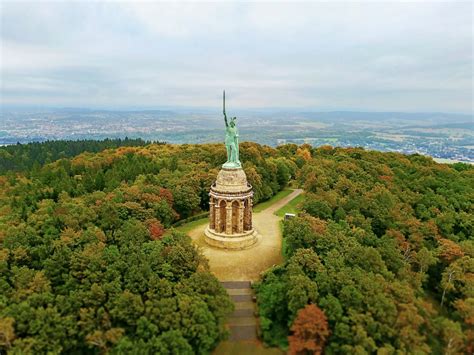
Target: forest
[[379, 259], [85, 266], [21, 157]]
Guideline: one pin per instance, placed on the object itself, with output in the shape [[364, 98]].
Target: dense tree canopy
[[88, 292], [381, 257], [384, 247], [22, 157], [84, 263]]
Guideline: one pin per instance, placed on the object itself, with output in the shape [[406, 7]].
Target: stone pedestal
[[230, 211]]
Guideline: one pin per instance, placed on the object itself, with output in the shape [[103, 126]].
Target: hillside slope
[[384, 249]]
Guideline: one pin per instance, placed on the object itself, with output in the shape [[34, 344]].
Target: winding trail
[[247, 265]]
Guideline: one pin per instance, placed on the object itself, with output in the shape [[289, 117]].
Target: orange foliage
[[155, 228], [68, 236], [167, 195], [449, 250], [3, 180], [310, 331], [100, 235], [150, 198], [109, 197], [7, 332], [396, 235], [318, 226], [326, 148], [304, 153], [469, 341], [125, 150], [385, 170], [4, 255], [466, 310], [405, 246], [132, 193]]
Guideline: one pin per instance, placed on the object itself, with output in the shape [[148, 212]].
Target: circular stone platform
[[233, 242], [230, 211]]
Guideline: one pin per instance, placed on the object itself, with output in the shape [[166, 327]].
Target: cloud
[[376, 56]]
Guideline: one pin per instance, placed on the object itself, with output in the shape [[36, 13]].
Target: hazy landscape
[[440, 135]]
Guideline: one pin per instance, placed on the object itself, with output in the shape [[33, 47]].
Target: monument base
[[238, 241], [232, 165]]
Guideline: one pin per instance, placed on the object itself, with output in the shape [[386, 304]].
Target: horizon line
[[211, 108]]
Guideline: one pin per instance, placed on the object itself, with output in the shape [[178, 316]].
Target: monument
[[230, 204]]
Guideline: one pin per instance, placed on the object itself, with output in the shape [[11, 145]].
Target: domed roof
[[231, 180]]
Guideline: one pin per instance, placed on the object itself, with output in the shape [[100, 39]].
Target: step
[[246, 312], [242, 324], [243, 332], [233, 321], [239, 291], [241, 298], [235, 284], [244, 305]]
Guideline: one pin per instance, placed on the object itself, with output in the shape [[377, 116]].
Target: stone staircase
[[243, 322]]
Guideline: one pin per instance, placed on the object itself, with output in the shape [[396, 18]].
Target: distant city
[[440, 135]]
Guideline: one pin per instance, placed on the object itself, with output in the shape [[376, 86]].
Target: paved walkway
[[247, 265]]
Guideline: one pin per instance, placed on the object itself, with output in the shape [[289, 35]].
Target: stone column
[[228, 215], [248, 215], [250, 212], [240, 227], [217, 214], [212, 217]]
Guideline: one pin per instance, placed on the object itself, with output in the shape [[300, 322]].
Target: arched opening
[[223, 215], [235, 217]]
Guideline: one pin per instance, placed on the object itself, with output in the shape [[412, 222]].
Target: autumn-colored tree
[[310, 331], [104, 339], [449, 250], [465, 309], [396, 229], [7, 332], [304, 153], [155, 228]]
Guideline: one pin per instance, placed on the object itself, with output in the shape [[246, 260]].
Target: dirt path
[[243, 265]]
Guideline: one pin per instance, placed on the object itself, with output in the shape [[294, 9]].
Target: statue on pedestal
[[231, 142], [231, 200]]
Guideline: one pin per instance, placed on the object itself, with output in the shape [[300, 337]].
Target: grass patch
[[282, 194], [290, 207], [187, 227]]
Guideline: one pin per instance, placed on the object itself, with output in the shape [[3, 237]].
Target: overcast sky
[[324, 56]]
